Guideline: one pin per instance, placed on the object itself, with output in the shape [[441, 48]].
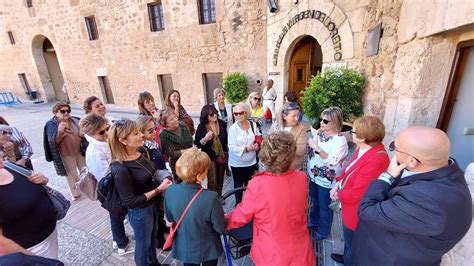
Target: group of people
[[416, 205]]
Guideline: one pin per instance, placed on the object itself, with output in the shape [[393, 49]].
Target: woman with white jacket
[[242, 148], [98, 158]]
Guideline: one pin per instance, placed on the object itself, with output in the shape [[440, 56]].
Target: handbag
[[60, 203], [222, 159], [268, 114], [190, 123], [87, 184], [258, 138], [174, 226], [335, 205]]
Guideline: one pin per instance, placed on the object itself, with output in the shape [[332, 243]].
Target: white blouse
[[237, 140], [324, 171]]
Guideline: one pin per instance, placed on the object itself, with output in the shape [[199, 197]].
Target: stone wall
[[128, 52]]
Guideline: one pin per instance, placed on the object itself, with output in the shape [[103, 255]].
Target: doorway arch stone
[[49, 68], [324, 21]]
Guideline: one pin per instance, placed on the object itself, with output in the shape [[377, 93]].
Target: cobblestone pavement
[[84, 235]]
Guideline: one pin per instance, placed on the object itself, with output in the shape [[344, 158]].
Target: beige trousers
[[73, 165]]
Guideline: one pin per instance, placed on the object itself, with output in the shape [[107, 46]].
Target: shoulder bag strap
[[14, 167], [187, 207], [349, 175]]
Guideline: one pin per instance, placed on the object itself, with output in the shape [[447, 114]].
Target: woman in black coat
[[211, 138]]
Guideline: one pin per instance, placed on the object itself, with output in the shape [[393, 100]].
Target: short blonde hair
[[217, 91], [369, 128], [334, 114], [191, 164], [120, 130], [91, 123], [244, 107], [278, 152], [143, 121]]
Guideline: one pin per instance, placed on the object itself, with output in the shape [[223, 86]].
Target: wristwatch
[[387, 177]]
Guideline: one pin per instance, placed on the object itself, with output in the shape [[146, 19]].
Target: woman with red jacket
[[280, 233], [368, 162]]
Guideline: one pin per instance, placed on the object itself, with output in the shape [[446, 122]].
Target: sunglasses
[[238, 113], [324, 121], [392, 147], [120, 122], [352, 132], [102, 132], [6, 132], [212, 114], [65, 111], [257, 99]]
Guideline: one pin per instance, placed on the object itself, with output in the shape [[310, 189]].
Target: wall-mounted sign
[[311, 14], [273, 73]]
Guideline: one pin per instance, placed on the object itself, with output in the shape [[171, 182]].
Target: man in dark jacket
[[419, 209]]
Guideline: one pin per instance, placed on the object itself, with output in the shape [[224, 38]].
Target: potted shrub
[[341, 87], [235, 87]]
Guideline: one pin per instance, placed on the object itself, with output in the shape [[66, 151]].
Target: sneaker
[[337, 258], [127, 250], [114, 245]]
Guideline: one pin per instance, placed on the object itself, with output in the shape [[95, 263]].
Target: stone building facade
[[127, 56]]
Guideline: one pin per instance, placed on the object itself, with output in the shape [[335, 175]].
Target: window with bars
[[92, 28], [155, 14], [207, 11]]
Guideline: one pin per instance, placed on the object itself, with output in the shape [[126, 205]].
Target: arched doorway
[[49, 69], [305, 61]]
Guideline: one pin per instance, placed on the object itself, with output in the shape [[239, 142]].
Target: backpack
[[108, 195]]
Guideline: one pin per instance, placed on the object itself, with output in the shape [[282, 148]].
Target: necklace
[[153, 176]]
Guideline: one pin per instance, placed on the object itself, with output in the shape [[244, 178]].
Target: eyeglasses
[[65, 111], [6, 132], [325, 121], [352, 132], [257, 99], [102, 132], [238, 113], [392, 147]]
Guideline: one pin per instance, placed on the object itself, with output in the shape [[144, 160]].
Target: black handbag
[[60, 203]]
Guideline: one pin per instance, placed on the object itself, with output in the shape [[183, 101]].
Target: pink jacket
[[277, 204]]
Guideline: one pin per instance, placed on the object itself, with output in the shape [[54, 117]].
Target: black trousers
[[205, 263], [242, 176]]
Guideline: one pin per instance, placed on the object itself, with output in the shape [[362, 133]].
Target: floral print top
[[324, 171]]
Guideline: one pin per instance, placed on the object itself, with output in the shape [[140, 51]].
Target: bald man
[[418, 209]]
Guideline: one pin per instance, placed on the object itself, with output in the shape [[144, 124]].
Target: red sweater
[[365, 170]]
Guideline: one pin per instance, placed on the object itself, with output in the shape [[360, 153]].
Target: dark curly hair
[[278, 152]]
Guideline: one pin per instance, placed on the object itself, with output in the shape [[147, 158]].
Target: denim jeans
[[144, 222], [347, 233], [118, 230], [320, 215]]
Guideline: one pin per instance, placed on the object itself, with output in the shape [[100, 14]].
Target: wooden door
[[302, 64]]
